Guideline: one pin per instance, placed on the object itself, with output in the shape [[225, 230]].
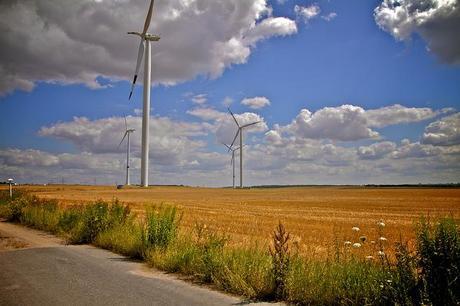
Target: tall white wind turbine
[[240, 132], [128, 149], [232, 162], [144, 47]]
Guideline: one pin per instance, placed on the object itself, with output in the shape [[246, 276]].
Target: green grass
[[428, 276]]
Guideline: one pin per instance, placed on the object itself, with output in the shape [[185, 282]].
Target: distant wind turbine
[[128, 149], [240, 132], [146, 38], [232, 162]]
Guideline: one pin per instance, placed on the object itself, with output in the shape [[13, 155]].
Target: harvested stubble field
[[313, 215]]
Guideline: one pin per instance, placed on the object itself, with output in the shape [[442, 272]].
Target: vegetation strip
[[350, 276]]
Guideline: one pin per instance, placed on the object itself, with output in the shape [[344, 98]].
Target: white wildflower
[[383, 239], [356, 245], [355, 229], [347, 243], [381, 223], [381, 253], [370, 257]]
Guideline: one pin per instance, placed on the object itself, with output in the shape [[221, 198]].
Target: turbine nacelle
[[146, 36]]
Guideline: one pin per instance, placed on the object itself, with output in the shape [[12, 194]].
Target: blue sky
[[324, 55]]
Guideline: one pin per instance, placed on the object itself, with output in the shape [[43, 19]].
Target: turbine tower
[[232, 162], [128, 149], [144, 47], [240, 132]]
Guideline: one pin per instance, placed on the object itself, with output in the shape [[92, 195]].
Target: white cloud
[[329, 16], [444, 132], [436, 21], [298, 153], [376, 150], [200, 99], [397, 114], [62, 36], [29, 157], [273, 137], [351, 123], [206, 113], [226, 128], [415, 150], [168, 137], [306, 13], [256, 102], [271, 26], [346, 123]]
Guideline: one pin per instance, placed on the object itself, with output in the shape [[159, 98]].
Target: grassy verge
[[358, 273]]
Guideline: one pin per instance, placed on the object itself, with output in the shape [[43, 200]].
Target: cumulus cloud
[[280, 25], [436, 21], [346, 123], [51, 41], [351, 123], [409, 149], [444, 132], [376, 150], [306, 13], [169, 139], [226, 128], [397, 114], [256, 102], [28, 157], [303, 152]]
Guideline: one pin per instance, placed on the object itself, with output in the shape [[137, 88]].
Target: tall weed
[[439, 260]]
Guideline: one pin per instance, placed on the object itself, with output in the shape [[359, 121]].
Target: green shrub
[[15, 208], [42, 214], [439, 260], [124, 238], [69, 219], [248, 272], [405, 287], [161, 226]]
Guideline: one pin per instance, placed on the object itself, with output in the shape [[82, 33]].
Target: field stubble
[[315, 216]]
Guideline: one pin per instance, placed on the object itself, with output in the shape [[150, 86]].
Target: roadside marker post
[[10, 182]]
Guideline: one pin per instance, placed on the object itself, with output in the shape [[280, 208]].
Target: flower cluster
[[376, 247]]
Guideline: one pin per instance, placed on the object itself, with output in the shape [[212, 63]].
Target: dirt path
[[18, 237]]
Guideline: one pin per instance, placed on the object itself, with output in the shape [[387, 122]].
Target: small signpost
[[10, 182]]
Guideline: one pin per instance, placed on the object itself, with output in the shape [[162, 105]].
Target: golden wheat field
[[315, 216]]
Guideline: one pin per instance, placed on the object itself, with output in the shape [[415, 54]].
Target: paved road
[[47, 272]]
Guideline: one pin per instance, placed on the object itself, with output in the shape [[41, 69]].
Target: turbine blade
[[124, 136], [246, 125], [226, 145], [236, 135], [148, 18], [233, 117], [126, 124], [140, 54]]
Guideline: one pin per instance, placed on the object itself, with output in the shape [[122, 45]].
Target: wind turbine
[[240, 132], [232, 162], [128, 149], [146, 38]]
